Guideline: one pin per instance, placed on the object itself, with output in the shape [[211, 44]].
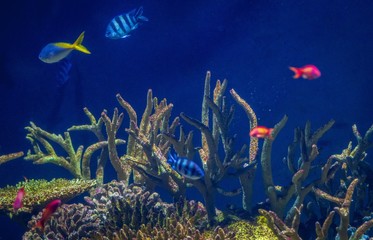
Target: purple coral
[[74, 221]]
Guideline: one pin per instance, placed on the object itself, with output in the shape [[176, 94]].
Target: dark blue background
[[251, 43]]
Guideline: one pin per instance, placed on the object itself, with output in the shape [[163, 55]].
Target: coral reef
[[157, 136], [115, 211], [343, 184], [39, 192]]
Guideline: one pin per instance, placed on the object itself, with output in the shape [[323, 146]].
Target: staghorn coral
[[148, 144], [77, 161], [39, 192], [9, 157], [343, 210], [354, 165], [74, 221], [217, 134], [280, 197]]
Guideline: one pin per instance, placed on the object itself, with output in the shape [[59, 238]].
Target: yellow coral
[[40, 192], [257, 230]]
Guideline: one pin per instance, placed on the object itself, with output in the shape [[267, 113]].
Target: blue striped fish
[[121, 25], [185, 167]]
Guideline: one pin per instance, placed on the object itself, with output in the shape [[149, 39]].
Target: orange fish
[[309, 72], [17, 204], [47, 213], [261, 132]]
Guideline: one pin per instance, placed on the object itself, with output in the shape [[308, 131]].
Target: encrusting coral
[[40, 192], [252, 230]]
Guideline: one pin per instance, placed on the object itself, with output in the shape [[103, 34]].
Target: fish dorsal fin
[[139, 16], [77, 45]]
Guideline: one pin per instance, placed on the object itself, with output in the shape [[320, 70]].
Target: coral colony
[[129, 207]]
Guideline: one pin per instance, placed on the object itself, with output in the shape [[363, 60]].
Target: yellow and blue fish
[[54, 52]]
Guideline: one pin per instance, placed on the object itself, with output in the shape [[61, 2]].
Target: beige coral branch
[[9, 157]]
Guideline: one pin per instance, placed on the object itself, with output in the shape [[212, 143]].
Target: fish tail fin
[[297, 72], [139, 16], [171, 158], [38, 225], [77, 45], [270, 133]]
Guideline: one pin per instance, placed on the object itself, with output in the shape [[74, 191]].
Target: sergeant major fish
[[54, 52], [185, 167], [121, 25]]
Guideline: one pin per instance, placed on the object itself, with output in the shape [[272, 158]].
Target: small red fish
[[261, 132], [17, 204], [309, 72], [47, 213]]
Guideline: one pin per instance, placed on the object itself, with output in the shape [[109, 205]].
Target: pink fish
[[261, 132], [47, 213], [17, 204], [309, 72]]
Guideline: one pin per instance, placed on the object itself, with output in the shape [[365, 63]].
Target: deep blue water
[[251, 43]]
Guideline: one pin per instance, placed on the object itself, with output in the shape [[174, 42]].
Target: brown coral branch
[[252, 120], [123, 170], [133, 118], [361, 230], [322, 231], [86, 172], [327, 196], [9, 157]]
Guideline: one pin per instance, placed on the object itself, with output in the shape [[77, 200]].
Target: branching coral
[[214, 165], [76, 161], [354, 165], [279, 197], [148, 145], [40, 192], [9, 157]]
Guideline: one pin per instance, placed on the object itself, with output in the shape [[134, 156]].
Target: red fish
[[309, 72], [17, 204], [47, 213], [261, 132]]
